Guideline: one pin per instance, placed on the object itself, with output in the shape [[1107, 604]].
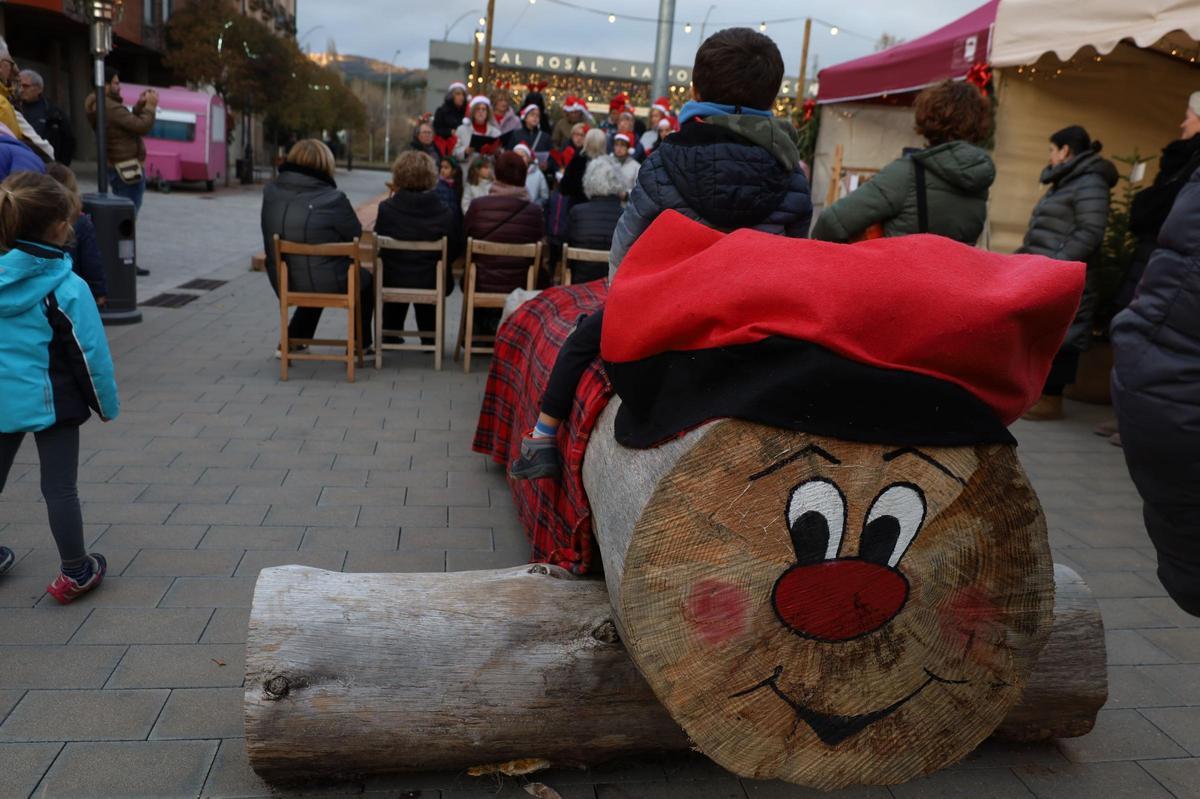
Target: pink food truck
[[187, 142]]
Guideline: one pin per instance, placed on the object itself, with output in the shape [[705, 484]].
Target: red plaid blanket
[[556, 514]]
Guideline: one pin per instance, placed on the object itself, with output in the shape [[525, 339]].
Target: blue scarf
[[699, 108]]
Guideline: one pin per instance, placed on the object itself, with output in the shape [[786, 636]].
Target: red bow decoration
[[445, 145], [536, 87], [563, 157], [488, 149], [810, 107], [979, 76]]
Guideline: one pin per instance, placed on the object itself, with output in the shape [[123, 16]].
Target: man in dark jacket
[[1156, 391], [731, 165], [414, 212], [50, 121]]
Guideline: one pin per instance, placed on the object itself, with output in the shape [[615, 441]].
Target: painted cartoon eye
[[816, 520], [892, 524]]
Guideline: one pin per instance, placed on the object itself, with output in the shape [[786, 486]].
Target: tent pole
[[804, 60]]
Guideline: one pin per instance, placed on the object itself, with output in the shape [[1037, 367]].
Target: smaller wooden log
[[350, 674]]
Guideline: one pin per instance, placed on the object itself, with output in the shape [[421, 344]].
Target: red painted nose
[[837, 600]]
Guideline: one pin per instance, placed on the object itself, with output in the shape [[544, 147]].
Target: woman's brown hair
[[312, 154], [951, 111], [413, 170], [30, 204]]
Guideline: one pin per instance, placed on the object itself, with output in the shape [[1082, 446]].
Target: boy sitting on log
[[731, 165]]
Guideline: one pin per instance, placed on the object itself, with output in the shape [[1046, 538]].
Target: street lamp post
[[460, 18], [101, 14], [704, 24], [485, 69], [387, 125], [662, 48]]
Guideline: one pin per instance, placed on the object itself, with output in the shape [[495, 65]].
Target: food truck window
[[217, 132], [173, 126]]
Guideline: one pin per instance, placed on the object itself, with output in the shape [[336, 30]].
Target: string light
[[687, 27], [612, 18], [762, 27], [834, 30], [482, 21]]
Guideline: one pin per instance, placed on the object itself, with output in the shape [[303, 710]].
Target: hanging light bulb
[[482, 22], [835, 30], [612, 18], [762, 27], [479, 36], [531, 2], [687, 27]]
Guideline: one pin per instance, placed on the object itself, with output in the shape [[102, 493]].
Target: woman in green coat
[[954, 118]]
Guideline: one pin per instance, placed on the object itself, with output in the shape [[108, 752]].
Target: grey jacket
[[305, 206], [1068, 224], [727, 172]]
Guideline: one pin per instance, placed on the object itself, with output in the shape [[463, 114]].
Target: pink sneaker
[[66, 590]]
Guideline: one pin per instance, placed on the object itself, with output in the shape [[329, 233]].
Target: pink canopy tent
[[948, 52]]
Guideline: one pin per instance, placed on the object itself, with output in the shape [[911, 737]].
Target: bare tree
[[887, 40]]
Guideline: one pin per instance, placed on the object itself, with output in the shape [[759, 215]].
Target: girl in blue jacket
[[55, 368]]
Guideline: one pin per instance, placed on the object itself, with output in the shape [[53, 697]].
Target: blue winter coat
[[56, 363], [1156, 391], [728, 172], [16, 157]]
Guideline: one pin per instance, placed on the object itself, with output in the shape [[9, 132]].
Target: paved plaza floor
[[216, 470]]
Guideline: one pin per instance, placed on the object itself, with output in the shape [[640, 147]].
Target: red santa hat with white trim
[[663, 104], [573, 103], [625, 137], [525, 111]]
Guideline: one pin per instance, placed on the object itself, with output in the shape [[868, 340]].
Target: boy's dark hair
[[739, 67], [952, 111]]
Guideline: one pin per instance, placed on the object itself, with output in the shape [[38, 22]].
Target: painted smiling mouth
[[830, 728]]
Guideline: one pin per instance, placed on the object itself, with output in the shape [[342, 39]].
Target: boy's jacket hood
[[774, 135]]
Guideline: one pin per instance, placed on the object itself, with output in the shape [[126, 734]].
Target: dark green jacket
[[957, 177]]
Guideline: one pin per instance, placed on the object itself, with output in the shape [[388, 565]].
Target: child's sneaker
[[67, 590], [7, 559], [539, 458]]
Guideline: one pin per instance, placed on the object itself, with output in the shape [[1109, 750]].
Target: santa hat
[[908, 341], [665, 122], [625, 137], [573, 103], [531, 107], [478, 99], [458, 84], [522, 147], [619, 102], [663, 104]]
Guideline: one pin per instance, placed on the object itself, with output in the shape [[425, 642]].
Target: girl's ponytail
[[10, 219]]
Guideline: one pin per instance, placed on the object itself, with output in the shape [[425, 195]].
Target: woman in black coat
[[530, 133], [304, 205], [414, 212], [1156, 393], [451, 112], [591, 224], [1068, 224]]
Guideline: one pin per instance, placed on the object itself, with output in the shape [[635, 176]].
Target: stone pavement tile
[[152, 536], [22, 592], [1117, 559], [1124, 613], [131, 770], [475, 497], [143, 626], [510, 538], [279, 460], [8, 700], [313, 517], [638, 790], [27, 511], [409, 478], [37, 534], [1181, 723], [1121, 584], [84, 716], [775, 789], [232, 778], [446, 538], [1180, 777], [243, 477], [1090, 781], [216, 460], [500, 516], [422, 516], [219, 514], [41, 625], [452, 463], [228, 626], [247, 537], [132, 457], [185, 563], [1120, 735], [993, 754], [1135, 686], [164, 475], [175, 666], [375, 496], [58, 666], [989, 783], [1166, 607], [200, 713], [326, 477], [1129, 648], [22, 766], [1182, 681], [210, 592], [316, 446], [471, 560], [119, 592], [276, 495], [111, 492], [258, 559], [216, 495], [177, 446], [1183, 645], [126, 512], [406, 561], [279, 446], [351, 538], [399, 464]]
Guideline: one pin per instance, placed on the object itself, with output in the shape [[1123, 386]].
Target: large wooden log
[[350, 674], [823, 611]]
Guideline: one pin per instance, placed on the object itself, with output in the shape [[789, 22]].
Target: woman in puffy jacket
[[505, 215], [414, 212], [56, 365], [591, 224], [1068, 224], [304, 205], [1156, 392]]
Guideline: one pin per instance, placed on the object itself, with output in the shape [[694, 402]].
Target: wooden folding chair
[[435, 296], [570, 253], [310, 299], [473, 299]]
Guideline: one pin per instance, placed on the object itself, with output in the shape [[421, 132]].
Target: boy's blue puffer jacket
[[54, 358]]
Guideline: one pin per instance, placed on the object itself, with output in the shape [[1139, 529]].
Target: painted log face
[[828, 612]]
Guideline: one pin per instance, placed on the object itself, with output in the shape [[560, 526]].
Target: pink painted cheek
[[970, 617], [717, 611]]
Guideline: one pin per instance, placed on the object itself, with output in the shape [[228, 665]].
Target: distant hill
[[372, 70]]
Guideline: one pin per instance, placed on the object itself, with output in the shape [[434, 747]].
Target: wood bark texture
[[351, 674], [823, 611]]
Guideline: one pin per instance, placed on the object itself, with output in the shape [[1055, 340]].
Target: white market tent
[[1122, 70]]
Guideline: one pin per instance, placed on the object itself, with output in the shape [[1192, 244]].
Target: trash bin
[[114, 218]]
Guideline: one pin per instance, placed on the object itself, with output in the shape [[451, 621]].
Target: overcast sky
[[376, 28]]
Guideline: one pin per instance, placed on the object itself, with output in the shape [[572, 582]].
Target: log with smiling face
[[829, 612]]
